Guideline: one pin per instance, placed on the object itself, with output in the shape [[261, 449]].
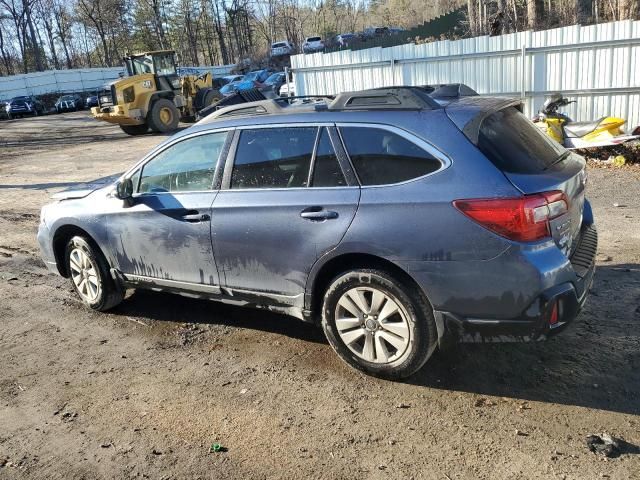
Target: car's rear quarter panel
[[461, 266]]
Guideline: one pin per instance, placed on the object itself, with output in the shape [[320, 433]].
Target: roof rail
[[256, 102]]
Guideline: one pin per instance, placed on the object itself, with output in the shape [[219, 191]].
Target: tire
[[135, 129], [86, 263], [206, 97], [164, 116], [411, 328]]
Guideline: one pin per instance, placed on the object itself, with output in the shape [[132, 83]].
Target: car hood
[[81, 190]]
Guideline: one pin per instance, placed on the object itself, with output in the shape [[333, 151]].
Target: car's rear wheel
[[378, 323], [89, 274]]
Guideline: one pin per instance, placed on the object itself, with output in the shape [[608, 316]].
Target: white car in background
[[284, 47], [313, 45], [288, 90]]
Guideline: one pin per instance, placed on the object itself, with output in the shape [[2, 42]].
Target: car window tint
[[326, 169], [186, 166], [383, 157], [515, 145], [273, 158]]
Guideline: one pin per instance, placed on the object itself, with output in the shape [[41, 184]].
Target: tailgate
[[531, 161]]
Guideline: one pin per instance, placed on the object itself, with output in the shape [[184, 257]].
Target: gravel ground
[[145, 390]]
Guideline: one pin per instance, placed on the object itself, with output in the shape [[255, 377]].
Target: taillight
[[553, 316], [523, 219]]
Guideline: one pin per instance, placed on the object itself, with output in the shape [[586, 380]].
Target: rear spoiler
[[468, 113]]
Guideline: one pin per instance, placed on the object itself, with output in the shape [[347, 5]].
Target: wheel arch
[[323, 273], [61, 237]]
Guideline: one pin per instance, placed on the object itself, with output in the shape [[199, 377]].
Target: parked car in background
[[284, 47], [313, 45], [24, 105], [275, 81], [69, 103], [374, 32], [253, 79], [229, 88], [91, 101], [220, 82], [394, 223], [344, 39], [288, 90], [3, 111]]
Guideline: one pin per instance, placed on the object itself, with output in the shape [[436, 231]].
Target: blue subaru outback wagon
[[392, 220]]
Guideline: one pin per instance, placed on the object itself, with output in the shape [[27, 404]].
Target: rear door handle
[[195, 217], [318, 213]]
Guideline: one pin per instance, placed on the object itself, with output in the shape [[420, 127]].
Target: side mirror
[[124, 189]]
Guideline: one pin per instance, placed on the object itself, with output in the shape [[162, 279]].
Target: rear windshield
[[515, 145], [313, 39]]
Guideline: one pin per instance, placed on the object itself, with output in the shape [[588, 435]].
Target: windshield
[[515, 145], [276, 77], [164, 64], [141, 65], [278, 45], [313, 39], [252, 76]]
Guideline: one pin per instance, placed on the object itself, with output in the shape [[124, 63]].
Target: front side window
[[382, 157], [186, 166], [273, 158]]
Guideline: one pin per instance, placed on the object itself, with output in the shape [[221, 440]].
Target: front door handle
[[318, 214], [195, 217]]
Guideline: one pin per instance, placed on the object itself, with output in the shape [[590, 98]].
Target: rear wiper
[[558, 160]]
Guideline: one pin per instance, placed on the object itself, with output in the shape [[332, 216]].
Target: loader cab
[[162, 64]]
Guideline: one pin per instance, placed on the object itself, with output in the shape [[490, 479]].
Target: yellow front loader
[[154, 96]]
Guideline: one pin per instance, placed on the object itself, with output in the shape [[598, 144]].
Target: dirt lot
[[145, 390]]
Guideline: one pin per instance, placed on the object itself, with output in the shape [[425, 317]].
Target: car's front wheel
[[378, 323], [89, 274]]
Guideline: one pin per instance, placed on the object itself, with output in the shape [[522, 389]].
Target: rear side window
[[515, 145], [273, 158], [382, 157]]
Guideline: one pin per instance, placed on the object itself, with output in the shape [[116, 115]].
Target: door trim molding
[[163, 282]]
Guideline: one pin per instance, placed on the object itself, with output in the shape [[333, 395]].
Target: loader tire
[[135, 129], [164, 116], [206, 97]]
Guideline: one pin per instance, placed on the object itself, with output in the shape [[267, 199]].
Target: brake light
[[523, 219], [553, 317]]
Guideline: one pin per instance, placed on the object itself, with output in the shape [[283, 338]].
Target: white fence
[[597, 65], [68, 81]]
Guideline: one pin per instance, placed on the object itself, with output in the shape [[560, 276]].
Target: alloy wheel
[[373, 325], [84, 273]]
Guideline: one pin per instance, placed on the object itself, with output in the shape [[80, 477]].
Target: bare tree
[[472, 9]]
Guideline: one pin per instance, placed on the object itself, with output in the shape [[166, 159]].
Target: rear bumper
[[537, 322]]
